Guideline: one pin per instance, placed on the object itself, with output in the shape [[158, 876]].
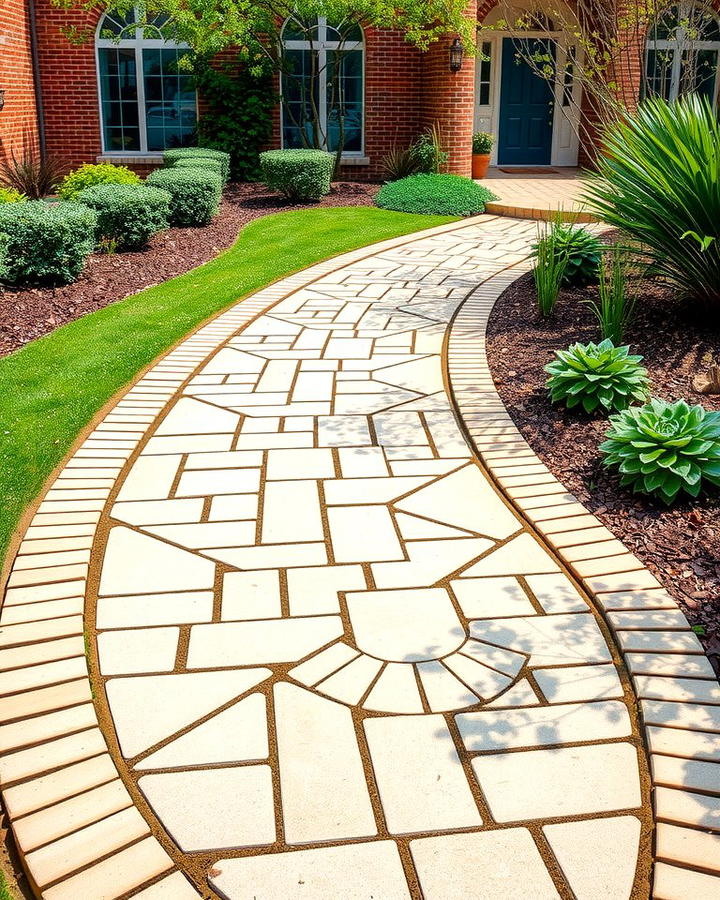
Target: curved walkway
[[330, 653]]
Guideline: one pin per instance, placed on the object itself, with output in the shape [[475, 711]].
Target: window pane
[[659, 72], [118, 83], [113, 25], [699, 70], [345, 100], [484, 72], [170, 106], [298, 86]]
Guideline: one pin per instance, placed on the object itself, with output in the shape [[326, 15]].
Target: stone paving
[[538, 195], [329, 655]]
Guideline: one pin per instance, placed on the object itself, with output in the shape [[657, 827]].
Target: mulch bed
[[681, 545], [28, 313]]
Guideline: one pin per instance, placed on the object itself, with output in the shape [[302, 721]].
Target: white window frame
[[139, 43], [677, 45], [322, 45]]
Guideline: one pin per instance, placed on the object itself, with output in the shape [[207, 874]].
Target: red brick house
[[123, 102]]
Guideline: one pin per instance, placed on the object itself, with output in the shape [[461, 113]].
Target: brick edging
[[677, 693]]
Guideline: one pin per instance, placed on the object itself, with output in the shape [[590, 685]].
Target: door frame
[[565, 144]]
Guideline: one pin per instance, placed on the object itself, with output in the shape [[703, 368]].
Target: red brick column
[[448, 99], [18, 119]]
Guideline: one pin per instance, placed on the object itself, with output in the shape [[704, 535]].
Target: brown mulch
[[681, 545], [28, 313]]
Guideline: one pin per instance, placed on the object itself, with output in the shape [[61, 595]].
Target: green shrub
[[597, 375], [47, 243], [428, 153], [200, 162], [664, 448], [303, 176], [583, 251], [482, 142], [443, 195], [238, 103], [89, 175], [4, 240], [34, 176], [195, 194], [128, 214], [399, 163], [172, 156], [10, 195], [659, 182]]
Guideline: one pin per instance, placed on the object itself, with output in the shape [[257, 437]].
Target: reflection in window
[[683, 53], [323, 90], [147, 99]]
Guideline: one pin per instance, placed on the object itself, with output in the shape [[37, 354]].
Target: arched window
[[683, 53], [323, 85], [147, 100]]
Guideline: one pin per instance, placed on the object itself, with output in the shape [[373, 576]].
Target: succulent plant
[[597, 375], [583, 251], [664, 448]]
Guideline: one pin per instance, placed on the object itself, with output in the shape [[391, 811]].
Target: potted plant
[[481, 147]]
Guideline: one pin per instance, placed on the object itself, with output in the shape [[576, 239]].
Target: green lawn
[[52, 387]]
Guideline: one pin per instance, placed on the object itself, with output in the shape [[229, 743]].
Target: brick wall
[[18, 119], [449, 100], [393, 99], [69, 85]]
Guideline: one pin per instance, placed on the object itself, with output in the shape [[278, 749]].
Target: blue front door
[[526, 106]]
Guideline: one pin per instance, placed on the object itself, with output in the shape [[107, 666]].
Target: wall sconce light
[[457, 51], [2, 97]]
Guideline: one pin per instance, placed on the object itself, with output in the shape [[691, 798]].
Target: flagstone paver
[[330, 655]]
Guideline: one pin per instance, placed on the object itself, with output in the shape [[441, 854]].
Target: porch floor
[[540, 195]]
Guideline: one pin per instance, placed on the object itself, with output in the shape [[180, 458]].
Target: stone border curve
[[678, 697], [55, 764]]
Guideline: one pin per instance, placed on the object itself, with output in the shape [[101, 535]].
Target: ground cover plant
[[659, 182], [448, 195], [664, 448], [69, 374], [597, 377]]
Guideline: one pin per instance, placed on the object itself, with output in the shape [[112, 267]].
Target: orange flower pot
[[480, 163]]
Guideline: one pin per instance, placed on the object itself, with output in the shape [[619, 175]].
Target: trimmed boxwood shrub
[[200, 162], [442, 195], [129, 214], [3, 255], [172, 156], [300, 175], [47, 243], [90, 174], [195, 194]]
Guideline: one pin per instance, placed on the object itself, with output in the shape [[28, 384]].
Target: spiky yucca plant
[[597, 375], [658, 181], [664, 448]]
